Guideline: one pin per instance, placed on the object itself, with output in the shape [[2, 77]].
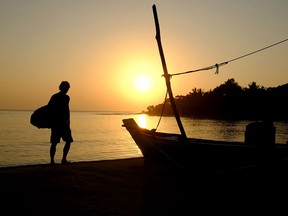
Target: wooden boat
[[203, 155], [206, 156]]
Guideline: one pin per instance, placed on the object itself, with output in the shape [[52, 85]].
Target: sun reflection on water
[[142, 121]]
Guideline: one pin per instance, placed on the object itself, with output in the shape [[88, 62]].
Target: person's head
[[64, 86]]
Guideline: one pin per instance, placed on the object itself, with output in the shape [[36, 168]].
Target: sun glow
[[142, 83], [138, 82]]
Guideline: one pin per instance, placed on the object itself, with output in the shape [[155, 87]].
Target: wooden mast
[[166, 75]]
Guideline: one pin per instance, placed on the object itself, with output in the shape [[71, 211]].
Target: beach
[[135, 187]]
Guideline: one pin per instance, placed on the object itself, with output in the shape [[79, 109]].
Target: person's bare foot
[[65, 162]]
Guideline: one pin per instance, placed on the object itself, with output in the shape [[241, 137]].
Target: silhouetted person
[[60, 121]]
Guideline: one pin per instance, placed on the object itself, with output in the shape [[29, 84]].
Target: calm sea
[[100, 136]]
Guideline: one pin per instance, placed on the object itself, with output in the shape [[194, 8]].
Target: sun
[[142, 83]]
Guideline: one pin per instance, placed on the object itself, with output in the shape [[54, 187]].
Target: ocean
[[100, 136]]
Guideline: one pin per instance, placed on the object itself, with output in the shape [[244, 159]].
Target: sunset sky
[[108, 52]]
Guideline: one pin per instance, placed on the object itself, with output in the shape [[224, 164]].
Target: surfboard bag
[[40, 118]]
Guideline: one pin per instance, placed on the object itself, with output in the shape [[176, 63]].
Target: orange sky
[[102, 47]]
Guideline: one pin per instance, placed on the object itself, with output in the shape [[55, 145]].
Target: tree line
[[230, 101]]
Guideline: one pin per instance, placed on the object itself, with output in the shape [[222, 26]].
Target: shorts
[[61, 132]]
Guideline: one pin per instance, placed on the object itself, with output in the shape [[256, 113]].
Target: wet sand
[[137, 187]]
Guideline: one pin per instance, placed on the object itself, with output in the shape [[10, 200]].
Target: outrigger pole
[[166, 75]]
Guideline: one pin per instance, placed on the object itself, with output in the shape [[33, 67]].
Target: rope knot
[[217, 68]]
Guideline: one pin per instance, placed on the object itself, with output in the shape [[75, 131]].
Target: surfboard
[[40, 118]]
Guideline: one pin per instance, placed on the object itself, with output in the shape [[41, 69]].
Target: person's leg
[[65, 152], [52, 152], [54, 140], [67, 137]]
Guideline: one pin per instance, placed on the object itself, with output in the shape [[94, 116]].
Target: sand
[[135, 187]]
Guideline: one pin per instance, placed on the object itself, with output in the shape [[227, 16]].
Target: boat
[[203, 155]]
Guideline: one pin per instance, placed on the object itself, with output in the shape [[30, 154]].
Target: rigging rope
[[162, 111], [217, 65], [226, 62]]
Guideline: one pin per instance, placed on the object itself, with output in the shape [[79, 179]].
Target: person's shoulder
[[60, 96], [64, 97], [55, 95]]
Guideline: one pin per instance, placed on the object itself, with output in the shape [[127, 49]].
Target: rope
[[202, 69], [258, 50], [162, 111], [226, 62]]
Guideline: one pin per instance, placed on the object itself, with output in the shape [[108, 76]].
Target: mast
[[166, 75]]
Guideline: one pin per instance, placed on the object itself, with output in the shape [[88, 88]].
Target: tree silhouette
[[231, 101]]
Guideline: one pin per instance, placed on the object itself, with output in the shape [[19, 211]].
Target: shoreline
[[59, 164], [133, 186]]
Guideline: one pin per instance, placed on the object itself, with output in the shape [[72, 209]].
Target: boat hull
[[202, 155]]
